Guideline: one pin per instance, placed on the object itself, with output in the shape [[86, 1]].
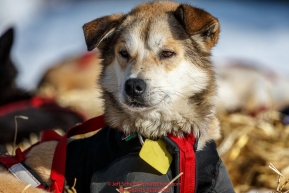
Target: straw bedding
[[249, 145]]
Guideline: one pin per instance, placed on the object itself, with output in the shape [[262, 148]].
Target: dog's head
[[157, 77], [8, 71]]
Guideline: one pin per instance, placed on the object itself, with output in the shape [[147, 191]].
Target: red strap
[[39, 101], [9, 161], [35, 102], [49, 135], [59, 160], [41, 187], [187, 162]]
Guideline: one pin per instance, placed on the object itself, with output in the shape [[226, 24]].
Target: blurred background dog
[[42, 112]]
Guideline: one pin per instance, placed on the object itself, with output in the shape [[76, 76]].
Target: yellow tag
[[155, 154]]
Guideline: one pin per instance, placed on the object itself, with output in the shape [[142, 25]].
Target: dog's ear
[[6, 42], [199, 24], [100, 28]]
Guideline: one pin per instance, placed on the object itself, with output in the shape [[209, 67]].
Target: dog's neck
[[156, 123]]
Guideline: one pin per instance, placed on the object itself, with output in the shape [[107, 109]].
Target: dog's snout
[[135, 87]]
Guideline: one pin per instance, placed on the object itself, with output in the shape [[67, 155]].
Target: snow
[[48, 31]]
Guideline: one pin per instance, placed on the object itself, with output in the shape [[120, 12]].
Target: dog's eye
[[124, 54], [167, 54]]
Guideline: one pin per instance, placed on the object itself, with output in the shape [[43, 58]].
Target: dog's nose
[[135, 87]]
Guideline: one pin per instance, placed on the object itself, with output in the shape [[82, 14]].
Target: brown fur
[[198, 21], [100, 23]]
